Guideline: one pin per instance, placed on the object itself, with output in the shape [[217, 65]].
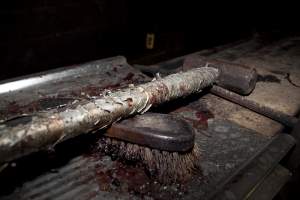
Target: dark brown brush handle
[[157, 131]]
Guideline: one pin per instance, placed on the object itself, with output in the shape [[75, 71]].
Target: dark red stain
[[13, 107], [115, 69], [183, 88], [104, 180], [133, 180], [122, 178], [158, 93], [129, 102], [113, 86], [128, 77], [91, 90], [202, 117]]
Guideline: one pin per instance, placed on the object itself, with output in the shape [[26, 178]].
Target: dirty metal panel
[[56, 89]]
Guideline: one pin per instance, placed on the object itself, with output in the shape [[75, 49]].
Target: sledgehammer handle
[[44, 130]]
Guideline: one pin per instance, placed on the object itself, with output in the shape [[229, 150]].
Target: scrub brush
[[163, 144]]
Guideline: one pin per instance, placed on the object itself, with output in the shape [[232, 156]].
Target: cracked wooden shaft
[[44, 130]]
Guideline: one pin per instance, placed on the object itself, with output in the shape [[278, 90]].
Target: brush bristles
[[166, 167]]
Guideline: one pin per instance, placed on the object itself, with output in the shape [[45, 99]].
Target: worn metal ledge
[[246, 180]]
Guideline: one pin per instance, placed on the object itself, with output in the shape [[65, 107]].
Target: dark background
[[37, 35]]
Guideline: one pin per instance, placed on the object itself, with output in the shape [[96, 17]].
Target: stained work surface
[[224, 146]]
